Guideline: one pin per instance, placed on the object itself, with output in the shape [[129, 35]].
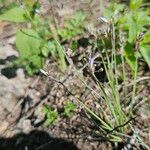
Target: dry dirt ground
[[22, 98]]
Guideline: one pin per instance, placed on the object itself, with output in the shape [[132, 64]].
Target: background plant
[[50, 114], [68, 109], [73, 26], [37, 41]]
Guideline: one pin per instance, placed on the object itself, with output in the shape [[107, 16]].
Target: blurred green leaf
[[145, 51], [145, 47], [130, 56], [52, 48], [146, 38], [28, 44], [135, 4], [45, 50], [112, 10], [73, 26], [133, 28], [15, 14], [33, 65], [134, 23]]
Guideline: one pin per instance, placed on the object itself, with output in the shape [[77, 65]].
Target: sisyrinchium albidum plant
[[125, 41], [119, 47]]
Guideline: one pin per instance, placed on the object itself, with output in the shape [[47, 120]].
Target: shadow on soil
[[8, 71], [35, 140]]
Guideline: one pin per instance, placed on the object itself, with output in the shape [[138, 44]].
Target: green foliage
[[120, 46], [15, 14], [68, 109], [73, 26], [32, 42], [74, 45], [28, 44], [51, 115], [146, 38], [113, 10], [132, 21], [31, 7], [135, 4], [145, 51], [135, 22], [130, 56], [145, 47]]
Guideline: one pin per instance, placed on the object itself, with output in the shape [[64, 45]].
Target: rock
[[20, 73], [39, 113], [11, 40], [24, 125], [10, 92], [3, 127], [6, 51]]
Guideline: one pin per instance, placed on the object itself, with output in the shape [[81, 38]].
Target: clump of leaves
[[73, 26], [134, 22], [50, 114], [28, 41], [32, 42], [68, 109]]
